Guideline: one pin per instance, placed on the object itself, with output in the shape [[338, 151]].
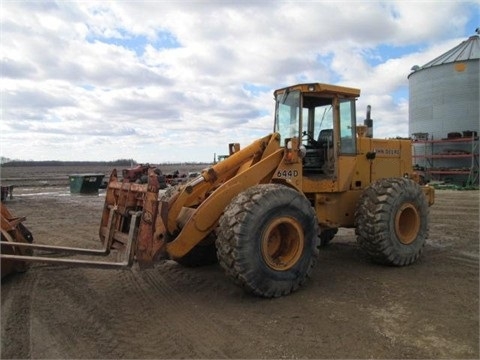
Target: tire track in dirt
[[68, 320], [466, 259], [123, 314], [144, 321], [394, 315], [184, 329], [17, 293], [221, 310]]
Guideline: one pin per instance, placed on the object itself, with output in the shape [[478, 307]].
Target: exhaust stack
[[368, 122]]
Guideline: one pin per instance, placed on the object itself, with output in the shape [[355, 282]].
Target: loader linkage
[[135, 222]]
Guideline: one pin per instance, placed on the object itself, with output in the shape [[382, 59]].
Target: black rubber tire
[[203, 254], [327, 235], [278, 214], [391, 221]]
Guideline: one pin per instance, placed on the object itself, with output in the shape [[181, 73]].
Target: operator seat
[[317, 153], [325, 141], [325, 138]]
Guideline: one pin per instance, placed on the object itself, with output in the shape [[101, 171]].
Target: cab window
[[317, 115], [287, 114], [347, 127]]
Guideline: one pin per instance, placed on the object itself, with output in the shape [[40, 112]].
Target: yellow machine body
[[181, 221]]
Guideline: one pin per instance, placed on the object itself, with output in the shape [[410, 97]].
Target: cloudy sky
[[169, 81]]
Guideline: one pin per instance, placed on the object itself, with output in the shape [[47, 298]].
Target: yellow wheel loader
[[265, 209]]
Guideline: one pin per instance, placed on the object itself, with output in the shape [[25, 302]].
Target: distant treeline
[[116, 163], [18, 163]]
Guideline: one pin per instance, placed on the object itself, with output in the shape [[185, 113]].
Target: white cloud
[[179, 80]]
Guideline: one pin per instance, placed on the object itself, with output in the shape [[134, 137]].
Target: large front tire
[[392, 221], [267, 240]]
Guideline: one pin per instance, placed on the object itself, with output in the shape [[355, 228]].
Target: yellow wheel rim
[[282, 243], [407, 223]]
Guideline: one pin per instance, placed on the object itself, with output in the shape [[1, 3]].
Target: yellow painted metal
[[407, 223], [430, 194], [282, 243], [322, 89], [346, 170], [336, 209], [219, 173], [206, 216]]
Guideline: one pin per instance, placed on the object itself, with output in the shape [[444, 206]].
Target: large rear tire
[[267, 240], [392, 221]]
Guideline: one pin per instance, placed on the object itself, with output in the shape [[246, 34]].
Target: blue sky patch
[[382, 53], [255, 90], [87, 87], [400, 94], [326, 60], [137, 43]]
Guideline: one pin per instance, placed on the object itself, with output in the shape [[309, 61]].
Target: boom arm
[[171, 227]]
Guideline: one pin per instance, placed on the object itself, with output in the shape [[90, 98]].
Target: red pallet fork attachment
[[12, 231], [130, 210]]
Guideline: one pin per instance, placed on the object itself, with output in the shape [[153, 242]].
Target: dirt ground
[[350, 308]]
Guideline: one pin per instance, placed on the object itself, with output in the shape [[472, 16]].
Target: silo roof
[[467, 50]]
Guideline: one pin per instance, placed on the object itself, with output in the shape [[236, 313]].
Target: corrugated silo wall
[[445, 99]]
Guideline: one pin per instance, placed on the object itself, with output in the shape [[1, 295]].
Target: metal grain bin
[[444, 93], [444, 104]]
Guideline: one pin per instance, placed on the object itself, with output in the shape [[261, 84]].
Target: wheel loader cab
[[322, 117]]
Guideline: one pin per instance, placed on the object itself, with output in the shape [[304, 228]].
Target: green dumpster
[[85, 183]]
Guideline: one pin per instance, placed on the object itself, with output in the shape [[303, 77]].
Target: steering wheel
[[310, 138]]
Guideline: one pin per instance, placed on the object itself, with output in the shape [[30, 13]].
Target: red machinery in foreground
[[14, 231]]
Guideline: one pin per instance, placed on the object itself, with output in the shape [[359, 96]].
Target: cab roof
[[319, 88]]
